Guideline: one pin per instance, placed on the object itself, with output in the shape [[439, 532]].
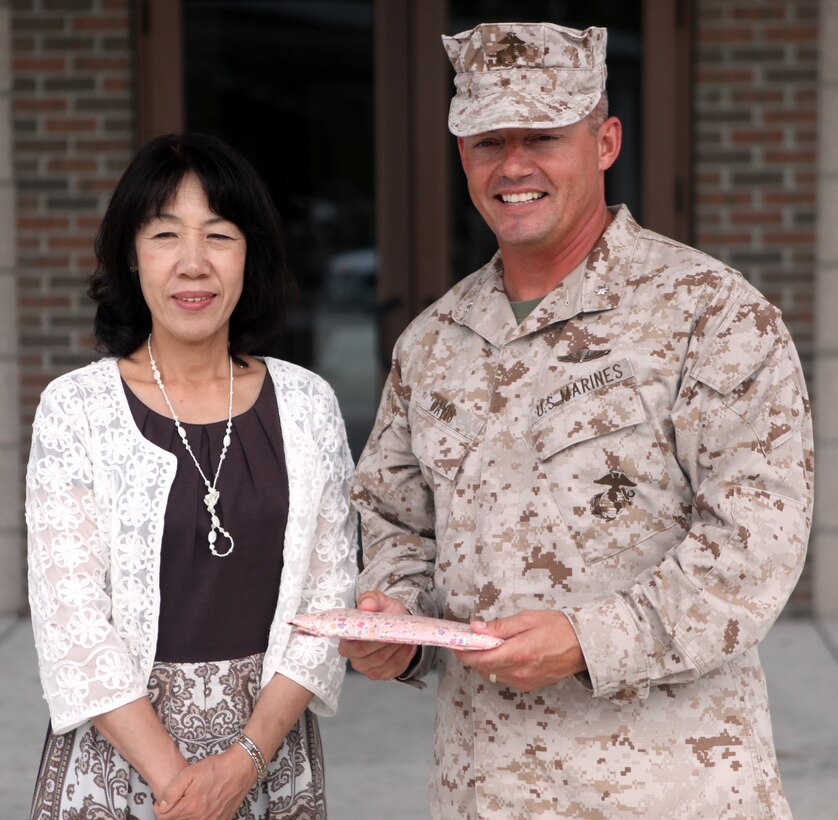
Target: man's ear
[[609, 139]]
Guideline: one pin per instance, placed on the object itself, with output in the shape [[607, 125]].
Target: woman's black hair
[[234, 192]]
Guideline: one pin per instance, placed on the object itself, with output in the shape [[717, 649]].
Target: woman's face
[[191, 267]]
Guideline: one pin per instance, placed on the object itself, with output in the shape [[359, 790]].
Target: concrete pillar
[[825, 535], [11, 490]]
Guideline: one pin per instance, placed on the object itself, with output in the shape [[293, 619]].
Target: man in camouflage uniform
[[617, 480]]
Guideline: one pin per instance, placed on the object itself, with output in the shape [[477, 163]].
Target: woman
[[171, 487]]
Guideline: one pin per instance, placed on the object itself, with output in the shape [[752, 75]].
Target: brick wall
[[755, 155], [755, 164], [73, 119]]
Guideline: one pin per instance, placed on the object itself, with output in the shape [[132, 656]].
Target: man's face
[[538, 188]]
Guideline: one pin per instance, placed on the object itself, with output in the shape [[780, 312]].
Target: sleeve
[[332, 564], [743, 437], [85, 667], [397, 512]]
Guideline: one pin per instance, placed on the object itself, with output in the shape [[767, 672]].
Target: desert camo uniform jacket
[[638, 454]]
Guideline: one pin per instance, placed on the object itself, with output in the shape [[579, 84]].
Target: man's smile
[[527, 196]]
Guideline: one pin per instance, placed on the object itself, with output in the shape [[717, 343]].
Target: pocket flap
[[442, 432], [593, 413]]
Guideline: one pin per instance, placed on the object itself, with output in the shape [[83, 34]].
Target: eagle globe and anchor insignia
[[608, 504]]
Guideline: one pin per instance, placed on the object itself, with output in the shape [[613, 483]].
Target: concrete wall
[[11, 491], [825, 539], [756, 165]]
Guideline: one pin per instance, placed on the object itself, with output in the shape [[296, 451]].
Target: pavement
[[378, 746]]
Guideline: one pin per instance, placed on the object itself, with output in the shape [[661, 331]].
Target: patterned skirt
[[203, 706]]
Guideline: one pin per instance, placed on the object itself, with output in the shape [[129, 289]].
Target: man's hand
[[539, 649], [377, 660]]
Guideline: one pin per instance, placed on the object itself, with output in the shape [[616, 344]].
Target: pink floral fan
[[357, 625]]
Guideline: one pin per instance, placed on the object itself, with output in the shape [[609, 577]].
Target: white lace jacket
[[96, 494]]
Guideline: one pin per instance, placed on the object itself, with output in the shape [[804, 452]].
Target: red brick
[[789, 157], [43, 301], [59, 243], [98, 146], [120, 84], [790, 34], [756, 95], [722, 238], [87, 63], [755, 136], [784, 197], [724, 75], [102, 185], [70, 126], [740, 34], [726, 198], [759, 12], [42, 223], [37, 65], [100, 24], [29, 104], [790, 238], [756, 218], [70, 164], [90, 223], [790, 115]]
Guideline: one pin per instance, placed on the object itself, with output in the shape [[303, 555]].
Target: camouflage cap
[[524, 75]]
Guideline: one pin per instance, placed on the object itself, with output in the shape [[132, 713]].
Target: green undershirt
[[524, 309]]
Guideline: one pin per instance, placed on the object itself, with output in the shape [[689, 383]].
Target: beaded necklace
[[212, 497]]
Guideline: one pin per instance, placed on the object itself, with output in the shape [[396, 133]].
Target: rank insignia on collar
[[584, 354], [607, 505]]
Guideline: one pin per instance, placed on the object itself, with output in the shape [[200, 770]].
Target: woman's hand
[[375, 659], [211, 789], [136, 732], [215, 787]]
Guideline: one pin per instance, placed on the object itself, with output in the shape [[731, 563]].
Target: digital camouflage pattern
[[638, 454], [524, 75]]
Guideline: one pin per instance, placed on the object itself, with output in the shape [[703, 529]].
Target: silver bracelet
[[255, 755]]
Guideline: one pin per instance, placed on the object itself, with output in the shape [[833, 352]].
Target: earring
[[132, 268]]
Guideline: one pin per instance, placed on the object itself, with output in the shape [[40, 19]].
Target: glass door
[[341, 105], [290, 84]]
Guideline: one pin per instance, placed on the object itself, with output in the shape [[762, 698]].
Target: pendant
[[212, 537], [211, 499], [212, 496]]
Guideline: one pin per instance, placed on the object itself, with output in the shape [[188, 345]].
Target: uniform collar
[[596, 286]]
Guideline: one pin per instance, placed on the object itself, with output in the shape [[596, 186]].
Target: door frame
[[412, 93]]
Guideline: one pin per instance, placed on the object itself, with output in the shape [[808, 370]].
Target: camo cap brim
[[524, 75]]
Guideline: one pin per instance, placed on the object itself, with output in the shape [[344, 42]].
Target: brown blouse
[[221, 608]]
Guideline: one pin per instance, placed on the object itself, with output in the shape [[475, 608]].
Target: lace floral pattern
[[96, 497], [203, 706]]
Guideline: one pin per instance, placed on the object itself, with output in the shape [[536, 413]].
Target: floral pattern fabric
[[96, 497], [357, 625], [203, 707]]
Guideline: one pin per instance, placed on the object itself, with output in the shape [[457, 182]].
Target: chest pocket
[[603, 465], [442, 433]]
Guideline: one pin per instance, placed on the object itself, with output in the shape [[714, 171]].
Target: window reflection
[[290, 84]]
